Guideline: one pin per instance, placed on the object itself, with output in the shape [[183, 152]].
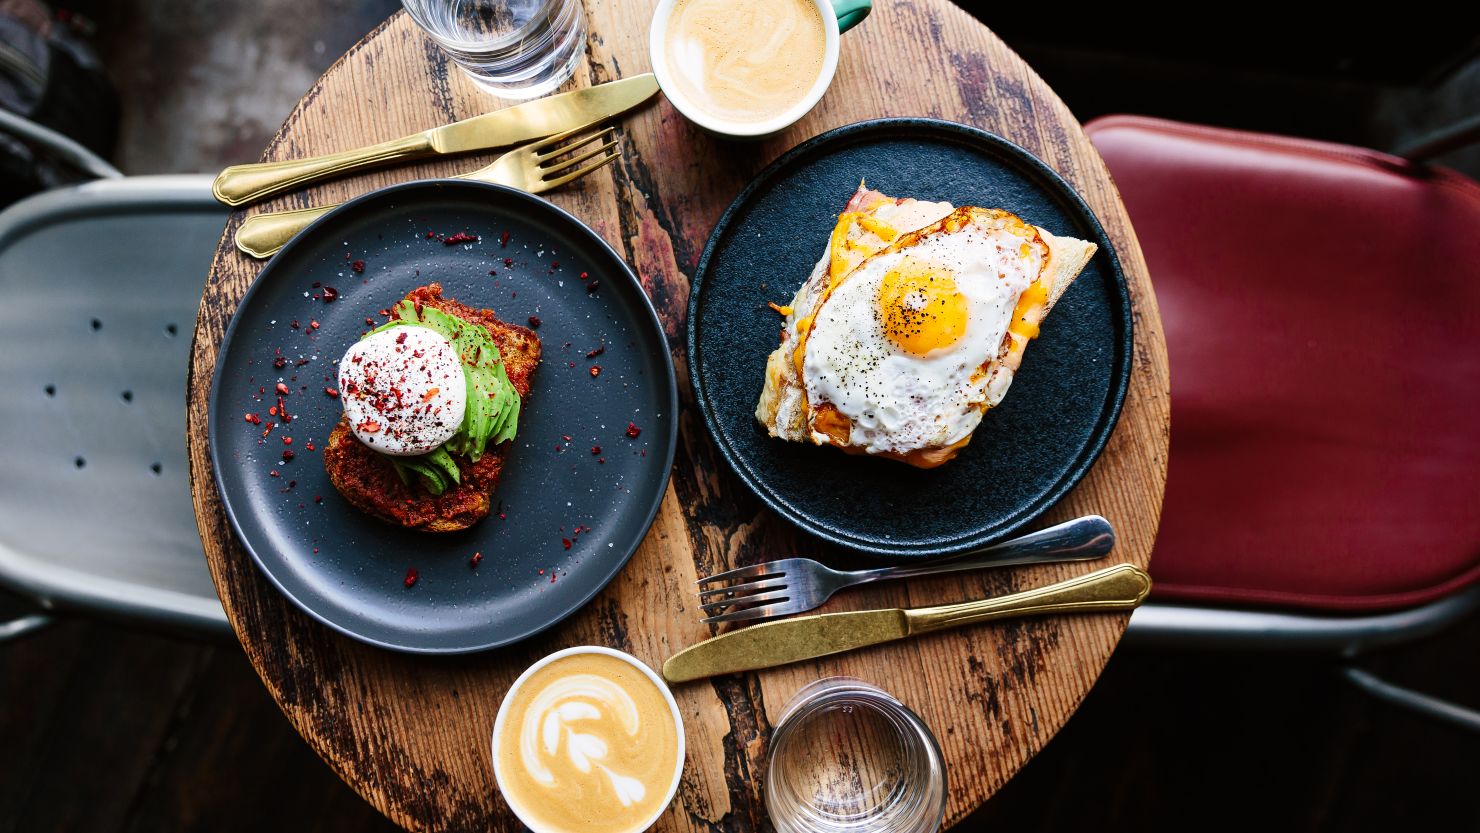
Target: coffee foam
[[745, 60], [588, 745]]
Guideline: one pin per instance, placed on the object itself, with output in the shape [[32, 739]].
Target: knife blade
[[239, 185], [1119, 588]]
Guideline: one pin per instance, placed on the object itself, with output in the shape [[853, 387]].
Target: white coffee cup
[[498, 725], [838, 16]]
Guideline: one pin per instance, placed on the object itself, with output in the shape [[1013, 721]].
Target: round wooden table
[[411, 733]]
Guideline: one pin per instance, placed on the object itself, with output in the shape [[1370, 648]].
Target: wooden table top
[[411, 733]]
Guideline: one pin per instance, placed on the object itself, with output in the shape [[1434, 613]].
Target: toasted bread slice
[[369, 481], [874, 223]]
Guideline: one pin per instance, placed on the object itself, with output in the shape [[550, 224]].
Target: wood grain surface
[[411, 734]]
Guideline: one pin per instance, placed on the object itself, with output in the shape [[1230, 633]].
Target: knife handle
[[241, 184], [1122, 587]]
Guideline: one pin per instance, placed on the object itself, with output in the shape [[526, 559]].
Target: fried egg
[[403, 390], [900, 353]]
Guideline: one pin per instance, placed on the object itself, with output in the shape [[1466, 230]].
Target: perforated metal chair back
[[99, 286]]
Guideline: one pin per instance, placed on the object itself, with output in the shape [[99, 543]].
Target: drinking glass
[[847, 757], [511, 48]]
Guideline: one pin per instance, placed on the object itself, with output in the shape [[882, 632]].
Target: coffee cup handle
[[850, 13]]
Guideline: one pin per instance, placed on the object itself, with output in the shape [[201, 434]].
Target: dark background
[[108, 728]]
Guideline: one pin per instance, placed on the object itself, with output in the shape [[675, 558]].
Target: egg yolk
[[921, 307]]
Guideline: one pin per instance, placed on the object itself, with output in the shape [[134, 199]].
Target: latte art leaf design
[[578, 716]]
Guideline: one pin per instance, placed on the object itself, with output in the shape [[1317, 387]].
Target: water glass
[[847, 757], [511, 48]]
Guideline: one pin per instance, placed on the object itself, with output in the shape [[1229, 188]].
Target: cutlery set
[[531, 168]]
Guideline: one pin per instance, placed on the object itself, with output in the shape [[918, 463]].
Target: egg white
[[403, 389], [897, 401]]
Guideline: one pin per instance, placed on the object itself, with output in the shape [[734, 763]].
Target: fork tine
[[551, 141], [748, 614], [749, 588], [759, 598], [570, 163], [754, 571], [566, 147], [555, 183]]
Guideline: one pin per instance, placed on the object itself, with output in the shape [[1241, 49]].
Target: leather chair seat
[[1322, 313]]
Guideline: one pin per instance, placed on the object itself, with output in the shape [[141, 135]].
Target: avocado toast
[[453, 489]]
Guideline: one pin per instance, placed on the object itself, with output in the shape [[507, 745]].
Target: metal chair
[[1322, 312], [100, 284]]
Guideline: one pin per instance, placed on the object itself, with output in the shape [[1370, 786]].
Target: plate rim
[[213, 406], [1119, 385]]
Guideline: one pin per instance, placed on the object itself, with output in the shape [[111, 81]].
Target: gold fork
[[533, 167]]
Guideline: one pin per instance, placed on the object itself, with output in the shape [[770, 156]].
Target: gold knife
[[1122, 587], [242, 184]]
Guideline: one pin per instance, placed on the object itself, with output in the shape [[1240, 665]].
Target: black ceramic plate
[[566, 518], [1028, 452]]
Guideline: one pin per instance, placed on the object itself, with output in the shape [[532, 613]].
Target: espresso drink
[[745, 60], [588, 745]]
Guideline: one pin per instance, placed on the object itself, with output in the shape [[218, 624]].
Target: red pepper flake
[[288, 455], [503, 240], [318, 498], [565, 437], [282, 411], [534, 321], [554, 264], [595, 449], [252, 418], [282, 389], [591, 287], [584, 276], [287, 440], [272, 411], [473, 562], [633, 430], [431, 235], [595, 370], [385, 313], [273, 473], [591, 354], [602, 461], [332, 393], [401, 339], [309, 446], [358, 267], [566, 542], [331, 294], [313, 325], [369, 426], [542, 572], [410, 577], [460, 237], [508, 261], [279, 362]]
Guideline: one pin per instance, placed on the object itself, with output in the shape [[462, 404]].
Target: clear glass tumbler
[[847, 757], [511, 48]]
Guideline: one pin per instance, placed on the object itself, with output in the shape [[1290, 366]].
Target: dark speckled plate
[[1027, 454], [348, 569]]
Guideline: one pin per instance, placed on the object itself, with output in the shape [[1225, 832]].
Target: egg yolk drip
[[921, 308]]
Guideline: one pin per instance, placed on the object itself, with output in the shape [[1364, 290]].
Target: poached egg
[[403, 390]]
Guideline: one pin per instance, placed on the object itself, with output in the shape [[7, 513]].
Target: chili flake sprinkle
[[473, 562], [534, 321], [331, 294], [460, 237], [410, 577], [633, 430], [595, 370]]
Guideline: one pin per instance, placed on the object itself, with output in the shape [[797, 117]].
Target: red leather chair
[[1322, 312]]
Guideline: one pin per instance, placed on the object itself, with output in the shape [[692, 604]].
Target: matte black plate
[[1029, 451], [348, 569]]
